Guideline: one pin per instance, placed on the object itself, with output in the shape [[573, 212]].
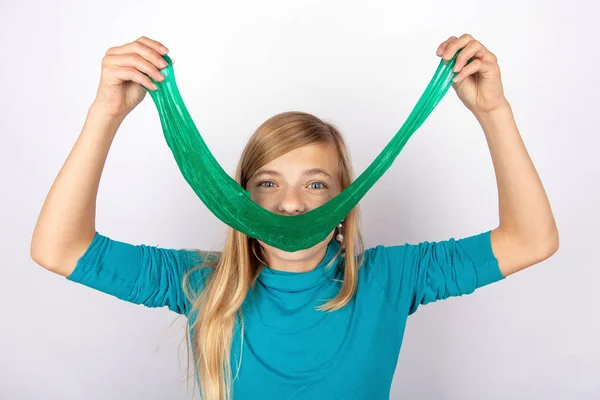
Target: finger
[[136, 61], [455, 45], [473, 49], [153, 44], [143, 50], [470, 69], [443, 45], [131, 74]]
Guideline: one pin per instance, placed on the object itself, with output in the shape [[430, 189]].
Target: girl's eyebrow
[[316, 171], [311, 171]]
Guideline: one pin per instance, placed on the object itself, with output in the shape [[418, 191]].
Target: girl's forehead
[[316, 156]]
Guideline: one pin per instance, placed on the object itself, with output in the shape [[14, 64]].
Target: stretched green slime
[[232, 204]]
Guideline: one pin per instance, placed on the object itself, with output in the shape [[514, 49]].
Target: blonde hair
[[218, 306]]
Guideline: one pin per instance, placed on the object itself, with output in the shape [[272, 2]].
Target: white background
[[360, 65]]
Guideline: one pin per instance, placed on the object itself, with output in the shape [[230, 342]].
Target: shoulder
[[199, 264], [381, 255], [196, 269], [195, 257], [379, 260]]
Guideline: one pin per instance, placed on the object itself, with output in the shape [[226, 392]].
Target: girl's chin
[[290, 255], [296, 255]]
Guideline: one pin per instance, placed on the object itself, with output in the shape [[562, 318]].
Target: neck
[[302, 265]]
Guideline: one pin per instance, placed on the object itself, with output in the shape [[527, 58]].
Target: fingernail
[[164, 50], [163, 63], [153, 87]]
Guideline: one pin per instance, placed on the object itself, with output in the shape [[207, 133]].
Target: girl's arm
[[527, 232], [66, 225]]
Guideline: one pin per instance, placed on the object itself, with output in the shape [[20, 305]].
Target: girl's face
[[295, 183]]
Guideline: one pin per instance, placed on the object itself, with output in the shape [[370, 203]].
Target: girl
[[321, 323]]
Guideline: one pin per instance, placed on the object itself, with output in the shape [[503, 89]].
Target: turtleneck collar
[[301, 281]]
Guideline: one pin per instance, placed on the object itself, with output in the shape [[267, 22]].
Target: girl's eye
[[266, 184], [317, 185]]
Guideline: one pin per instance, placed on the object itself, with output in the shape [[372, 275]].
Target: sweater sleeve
[[140, 274], [415, 274]]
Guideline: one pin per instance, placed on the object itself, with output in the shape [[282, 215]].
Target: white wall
[[360, 65]]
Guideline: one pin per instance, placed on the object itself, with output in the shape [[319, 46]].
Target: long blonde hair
[[218, 305]]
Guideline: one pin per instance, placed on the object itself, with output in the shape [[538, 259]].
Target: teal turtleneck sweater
[[289, 349]]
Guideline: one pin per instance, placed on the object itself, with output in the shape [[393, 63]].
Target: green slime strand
[[232, 204]]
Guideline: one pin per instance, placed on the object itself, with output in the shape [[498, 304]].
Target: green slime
[[232, 204]]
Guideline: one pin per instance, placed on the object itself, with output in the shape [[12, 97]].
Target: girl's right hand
[[122, 78]]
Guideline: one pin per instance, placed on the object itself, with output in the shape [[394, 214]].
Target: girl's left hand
[[478, 85]]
